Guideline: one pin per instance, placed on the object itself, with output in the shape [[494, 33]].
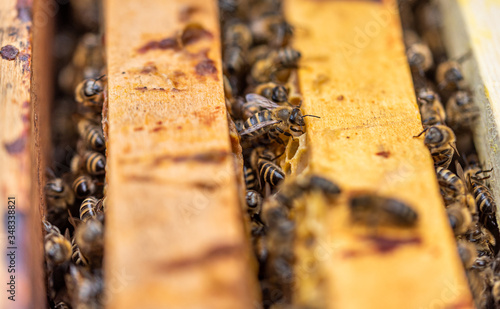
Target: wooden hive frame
[[161, 162]]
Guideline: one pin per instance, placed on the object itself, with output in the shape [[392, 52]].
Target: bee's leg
[[295, 130]]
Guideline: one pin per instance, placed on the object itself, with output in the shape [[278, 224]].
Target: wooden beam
[[475, 26], [23, 123], [355, 76], [175, 236]]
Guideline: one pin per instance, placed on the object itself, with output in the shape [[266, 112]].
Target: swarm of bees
[[447, 130], [73, 224]]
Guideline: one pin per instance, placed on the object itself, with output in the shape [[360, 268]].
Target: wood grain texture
[[355, 76], [20, 152], [475, 26], [175, 235]]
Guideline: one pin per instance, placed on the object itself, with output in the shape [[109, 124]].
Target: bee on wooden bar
[[272, 91], [90, 92], [440, 140], [459, 217], [76, 255], [58, 194], [57, 247], [88, 208], [94, 163], [374, 210], [91, 134], [83, 186], [420, 58], [307, 184], [269, 172], [254, 202], [275, 120], [251, 182], [461, 111], [451, 185]]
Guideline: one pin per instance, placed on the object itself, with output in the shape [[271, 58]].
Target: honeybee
[[61, 305], [83, 186], [272, 91], [449, 76], [482, 238], [244, 110], [420, 58], [287, 57], [251, 181], [94, 163], [374, 210], [275, 120], [271, 29], [58, 194], [302, 185], [85, 288], [57, 247], [76, 256], [495, 292], [428, 95], [451, 185], [432, 113], [461, 110], [238, 34], [91, 134], [90, 92], [89, 236], [440, 140], [467, 253], [88, 208], [459, 217], [263, 70], [483, 197], [478, 286], [254, 202], [234, 60], [269, 172]]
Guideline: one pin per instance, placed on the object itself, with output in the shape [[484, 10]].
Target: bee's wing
[[461, 175], [261, 101], [258, 126]]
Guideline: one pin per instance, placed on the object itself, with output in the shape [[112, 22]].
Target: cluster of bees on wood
[[449, 114], [73, 223], [264, 104]]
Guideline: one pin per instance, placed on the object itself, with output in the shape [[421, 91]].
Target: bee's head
[[55, 186], [296, 117], [433, 136]]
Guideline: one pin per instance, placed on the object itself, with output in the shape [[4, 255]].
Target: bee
[[273, 29], [89, 237], [254, 203], [449, 76], [76, 255], [274, 120], [263, 70], [495, 292], [90, 92], [477, 283], [91, 134], [88, 208], [428, 95], [432, 113], [58, 194], [269, 172], [251, 181], [85, 288], [459, 217], [238, 34], [272, 91], [420, 58], [482, 238], [83, 186], [461, 110], [302, 185], [373, 210], [234, 60], [440, 140], [57, 247], [94, 163], [244, 110], [451, 185], [482, 195], [467, 253], [61, 305], [286, 57]]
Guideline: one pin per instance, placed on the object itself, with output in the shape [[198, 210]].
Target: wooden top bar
[[354, 75], [175, 236]]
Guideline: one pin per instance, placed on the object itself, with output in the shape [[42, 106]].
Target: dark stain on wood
[[340, 98], [158, 129], [206, 67], [25, 58], [141, 88], [385, 154], [24, 10], [186, 12], [385, 244], [139, 178], [175, 90], [139, 129], [9, 52], [206, 186], [148, 68], [167, 43], [193, 33], [218, 252], [16, 146], [212, 157]]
